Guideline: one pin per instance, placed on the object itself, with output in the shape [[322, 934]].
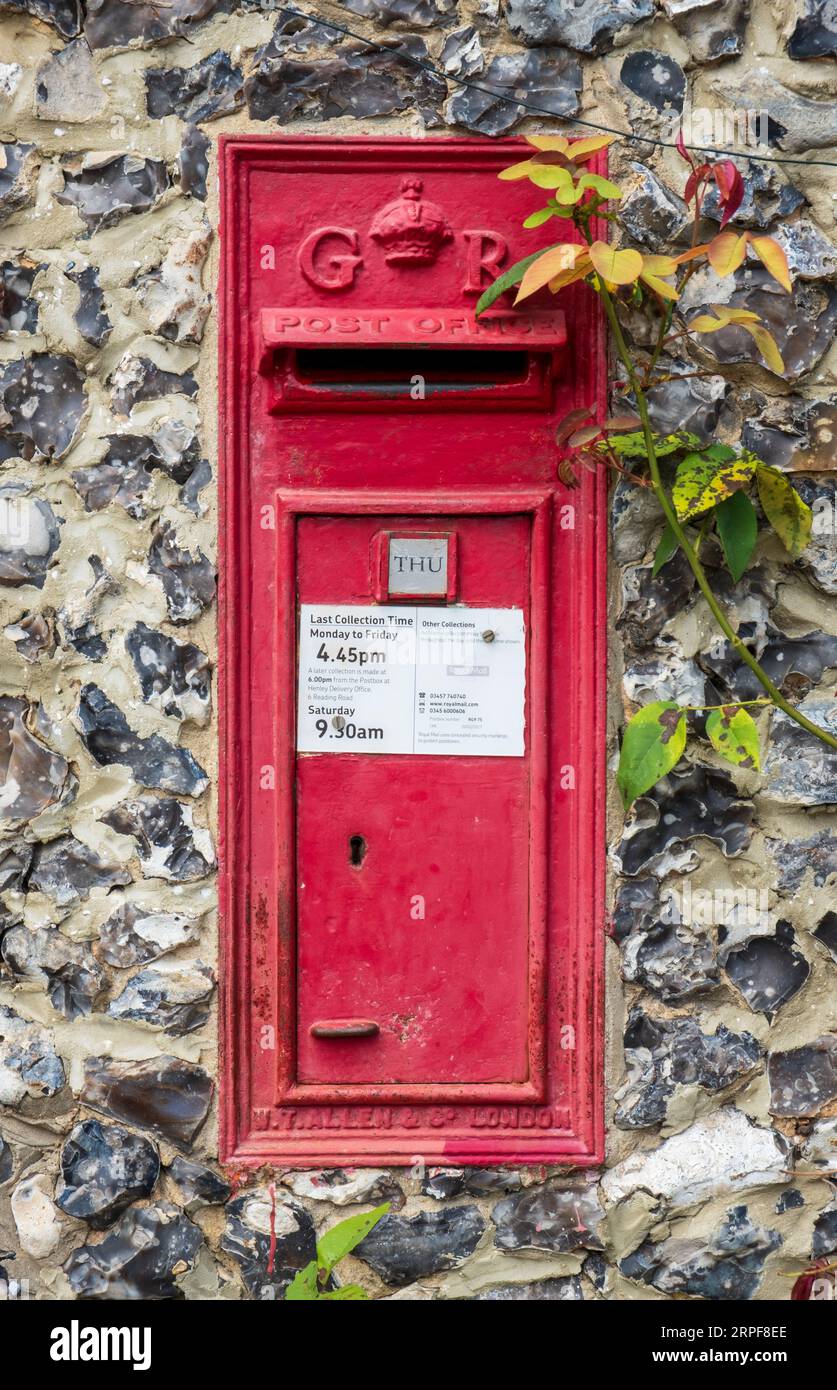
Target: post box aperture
[[413, 670]]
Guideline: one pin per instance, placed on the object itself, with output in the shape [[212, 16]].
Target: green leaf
[[554, 176], [706, 478], [303, 1287], [353, 1291], [733, 732], [666, 548], [603, 187], [343, 1237], [653, 742], [790, 517], [506, 281], [738, 529], [537, 219]]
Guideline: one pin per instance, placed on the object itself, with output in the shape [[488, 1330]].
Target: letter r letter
[[486, 252]]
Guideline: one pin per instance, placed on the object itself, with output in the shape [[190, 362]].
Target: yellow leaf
[[517, 171], [660, 265], [661, 287], [766, 344], [704, 323], [692, 252], [615, 266], [773, 258], [568, 277], [582, 149], [553, 262], [560, 143], [574, 149], [726, 252], [726, 311], [790, 517], [653, 267]]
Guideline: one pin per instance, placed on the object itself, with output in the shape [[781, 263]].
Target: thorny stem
[[665, 324], [619, 467], [678, 376], [662, 496], [665, 321]]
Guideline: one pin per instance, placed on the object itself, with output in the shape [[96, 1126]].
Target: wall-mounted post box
[[413, 634]]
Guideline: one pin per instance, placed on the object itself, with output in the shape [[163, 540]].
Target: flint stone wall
[[722, 1069]]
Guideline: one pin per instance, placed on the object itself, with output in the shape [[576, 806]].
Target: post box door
[[413, 868]]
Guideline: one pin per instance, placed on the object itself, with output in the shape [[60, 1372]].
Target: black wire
[[541, 110]]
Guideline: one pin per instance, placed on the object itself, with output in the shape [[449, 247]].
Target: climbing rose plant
[[702, 486]]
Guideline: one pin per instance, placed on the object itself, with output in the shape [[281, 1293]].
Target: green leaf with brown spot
[[790, 517], [732, 730], [304, 1288], [633, 445], [654, 741], [706, 478]]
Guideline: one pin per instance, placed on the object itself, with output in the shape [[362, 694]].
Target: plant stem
[[731, 704], [679, 376], [704, 527], [694, 563]]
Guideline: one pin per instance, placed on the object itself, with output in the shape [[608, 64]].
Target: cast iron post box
[[412, 669]]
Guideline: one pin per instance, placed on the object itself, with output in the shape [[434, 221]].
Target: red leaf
[[680, 146], [584, 436], [571, 422], [691, 184], [553, 157], [723, 172], [730, 188], [622, 422], [567, 473]]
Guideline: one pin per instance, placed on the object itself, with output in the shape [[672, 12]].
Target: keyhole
[[357, 849]]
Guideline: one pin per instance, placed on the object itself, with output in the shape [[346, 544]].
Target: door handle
[[344, 1028]]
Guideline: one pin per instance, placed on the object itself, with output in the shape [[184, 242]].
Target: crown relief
[[412, 230]]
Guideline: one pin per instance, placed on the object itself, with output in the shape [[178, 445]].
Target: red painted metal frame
[[256, 962]]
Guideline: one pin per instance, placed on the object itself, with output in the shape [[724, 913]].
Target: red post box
[[412, 672]]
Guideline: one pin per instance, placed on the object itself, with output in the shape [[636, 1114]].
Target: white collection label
[[411, 680]]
